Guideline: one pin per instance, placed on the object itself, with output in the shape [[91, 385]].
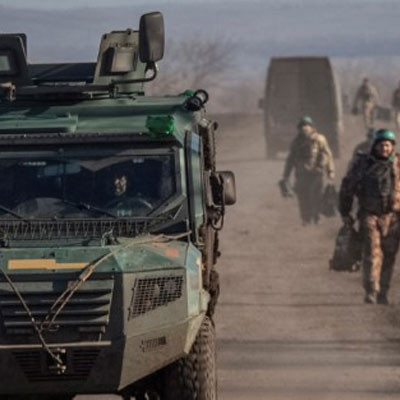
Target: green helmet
[[384, 134], [306, 120]]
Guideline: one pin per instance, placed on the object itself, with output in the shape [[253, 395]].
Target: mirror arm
[[150, 66]]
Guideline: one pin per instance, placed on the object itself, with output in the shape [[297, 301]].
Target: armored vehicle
[[298, 86], [110, 208]]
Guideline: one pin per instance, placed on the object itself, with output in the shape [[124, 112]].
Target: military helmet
[[305, 120], [384, 134]]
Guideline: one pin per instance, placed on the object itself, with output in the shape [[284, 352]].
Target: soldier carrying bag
[[347, 253], [285, 189], [329, 201]]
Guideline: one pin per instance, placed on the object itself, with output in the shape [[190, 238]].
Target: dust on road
[[288, 328]]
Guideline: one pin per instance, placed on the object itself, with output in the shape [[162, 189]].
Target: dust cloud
[[287, 327]]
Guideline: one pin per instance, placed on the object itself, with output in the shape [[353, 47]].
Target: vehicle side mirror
[[151, 37], [229, 187]]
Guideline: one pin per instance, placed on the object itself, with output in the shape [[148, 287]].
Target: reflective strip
[[42, 263]]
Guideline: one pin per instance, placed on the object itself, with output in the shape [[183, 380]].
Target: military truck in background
[[298, 86], [110, 209]]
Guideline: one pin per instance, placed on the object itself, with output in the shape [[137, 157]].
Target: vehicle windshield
[[103, 186]]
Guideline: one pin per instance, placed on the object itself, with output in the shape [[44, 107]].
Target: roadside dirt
[[288, 328]]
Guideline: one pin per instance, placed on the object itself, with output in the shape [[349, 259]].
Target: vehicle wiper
[[88, 207], [161, 218], [11, 212]]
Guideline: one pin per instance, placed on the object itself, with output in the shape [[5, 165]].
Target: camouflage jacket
[[362, 148], [376, 184], [309, 154]]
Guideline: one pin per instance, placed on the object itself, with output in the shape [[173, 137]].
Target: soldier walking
[[396, 106], [367, 95], [364, 147], [311, 158], [374, 179]]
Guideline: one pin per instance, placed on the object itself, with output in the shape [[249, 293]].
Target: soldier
[[367, 95], [364, 147], [311, 158], [120, 185], [375, 180], [396, 107]]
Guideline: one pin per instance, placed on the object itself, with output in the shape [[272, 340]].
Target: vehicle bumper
[[103, 367]]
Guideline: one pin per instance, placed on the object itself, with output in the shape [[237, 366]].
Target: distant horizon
[[258, 29], [76, 4]]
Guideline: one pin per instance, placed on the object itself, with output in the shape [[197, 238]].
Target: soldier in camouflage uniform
[[364, 147], [311, 158], [367, 95], [375, 180]]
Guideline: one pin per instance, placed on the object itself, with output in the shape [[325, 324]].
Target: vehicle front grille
[[35, 365], [153, 292], [87, 310], [76, 228]]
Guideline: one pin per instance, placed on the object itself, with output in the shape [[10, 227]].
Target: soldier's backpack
[[347, 253], [329, 201]]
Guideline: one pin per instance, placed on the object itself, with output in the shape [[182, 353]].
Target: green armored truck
[[110, 208]]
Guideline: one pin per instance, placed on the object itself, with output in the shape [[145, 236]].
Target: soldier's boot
[[371, 297], [382, 298]]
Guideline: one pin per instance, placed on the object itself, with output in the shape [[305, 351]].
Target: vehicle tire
[[194, 377], [214, 290]]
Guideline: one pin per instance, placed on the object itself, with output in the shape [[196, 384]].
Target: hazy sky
[[57, 4], [59, 31], [60, 4]]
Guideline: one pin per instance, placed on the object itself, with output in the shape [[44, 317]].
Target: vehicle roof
[[121, 115]]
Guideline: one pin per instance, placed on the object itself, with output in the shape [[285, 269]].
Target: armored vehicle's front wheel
[[194, 377]]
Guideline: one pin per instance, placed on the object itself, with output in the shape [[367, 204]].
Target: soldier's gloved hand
[[331, 175], [348, 220], [284, 186]]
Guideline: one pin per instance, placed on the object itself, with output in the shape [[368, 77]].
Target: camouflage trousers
[[309, 189], [381, 237], [368, 110]]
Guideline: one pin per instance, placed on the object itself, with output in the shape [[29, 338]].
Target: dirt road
[[288, 328]]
